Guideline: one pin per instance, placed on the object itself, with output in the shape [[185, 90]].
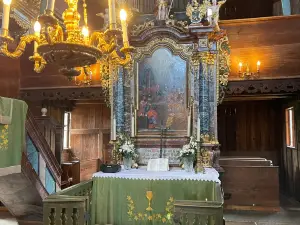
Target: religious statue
[[163, 9], [216, 5], [105, 17]]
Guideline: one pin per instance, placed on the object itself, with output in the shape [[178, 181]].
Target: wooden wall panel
[[88, 124], [251, 128], [9, 77]]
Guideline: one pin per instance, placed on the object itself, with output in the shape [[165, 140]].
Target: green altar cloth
[[120, 201], [12, 131]]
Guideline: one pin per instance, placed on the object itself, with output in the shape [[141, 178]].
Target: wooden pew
[[251, 184]]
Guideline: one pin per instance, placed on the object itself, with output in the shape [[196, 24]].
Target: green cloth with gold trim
[[120, 201], [12, 131]]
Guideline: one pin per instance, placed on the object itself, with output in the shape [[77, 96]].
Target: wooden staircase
[[22, 193]]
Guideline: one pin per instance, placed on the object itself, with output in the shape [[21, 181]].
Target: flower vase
[[127, 163], [188, 163]]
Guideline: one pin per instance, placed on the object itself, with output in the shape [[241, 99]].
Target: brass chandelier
[[71, 47]]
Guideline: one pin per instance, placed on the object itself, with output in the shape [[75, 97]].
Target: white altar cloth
[[174, 174]]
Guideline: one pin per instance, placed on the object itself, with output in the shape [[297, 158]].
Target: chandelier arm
[[20, 48]]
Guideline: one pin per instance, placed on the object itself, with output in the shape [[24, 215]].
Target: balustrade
[[69, 206]]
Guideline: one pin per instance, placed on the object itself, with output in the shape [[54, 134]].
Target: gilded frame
[[184, 51]]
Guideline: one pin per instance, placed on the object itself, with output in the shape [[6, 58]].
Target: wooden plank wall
[[90, 125], [291, 158], [251, 128], [10, 74]]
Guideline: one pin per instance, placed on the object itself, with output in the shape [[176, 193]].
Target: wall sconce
[[247, 73]]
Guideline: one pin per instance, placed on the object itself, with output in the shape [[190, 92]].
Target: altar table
[[138, 196]]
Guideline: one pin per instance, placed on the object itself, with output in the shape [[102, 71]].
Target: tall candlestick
[[123, 17], [50, 6], [112, 14], [198, 129], [5, 16]]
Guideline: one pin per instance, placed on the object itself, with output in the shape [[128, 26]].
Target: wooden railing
[[30, 173], [200, 212], [42, 146], [70, 206]]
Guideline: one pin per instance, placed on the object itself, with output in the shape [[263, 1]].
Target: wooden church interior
[[258, 121]]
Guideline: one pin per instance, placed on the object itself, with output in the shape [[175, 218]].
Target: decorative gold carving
[[196, 11], [182, 26], [149, 214], [138, 29], [4, 137], [183, 50], [223, 69]]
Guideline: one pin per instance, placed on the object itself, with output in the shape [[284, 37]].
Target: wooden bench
[[199, 212], [252, 184], [246, 163]]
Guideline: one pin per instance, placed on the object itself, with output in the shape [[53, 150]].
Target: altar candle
[[123, 17], [132, 124], [112, 14], [5, 15], [189, 126], [198, 129]]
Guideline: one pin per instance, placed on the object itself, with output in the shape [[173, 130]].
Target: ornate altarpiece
[[179, 74]]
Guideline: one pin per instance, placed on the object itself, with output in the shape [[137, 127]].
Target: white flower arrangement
[[127, 150], [189, 149]]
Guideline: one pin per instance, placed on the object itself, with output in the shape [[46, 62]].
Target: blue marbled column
[[127, 101], [119, 100], [204, 100]]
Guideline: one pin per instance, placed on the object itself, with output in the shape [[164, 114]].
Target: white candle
[[189, 125], [37, 32], [123, 17], [132, 126], [5, 16], [198, 129], [125, 34], [115, 129], [50, 5], [112, 14]]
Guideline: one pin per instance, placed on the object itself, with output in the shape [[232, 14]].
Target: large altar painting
[[162, 87]]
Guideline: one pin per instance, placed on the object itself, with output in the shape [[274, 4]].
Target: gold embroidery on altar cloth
[[149, 214], [3, 137]]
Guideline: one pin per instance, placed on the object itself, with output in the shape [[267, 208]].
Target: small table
[[140, 197]]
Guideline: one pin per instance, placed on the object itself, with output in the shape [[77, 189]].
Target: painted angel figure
[[163, 9], [192, 11], [105, 16]]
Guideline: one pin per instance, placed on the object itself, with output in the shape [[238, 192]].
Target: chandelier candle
[[5, 17], [37, 32], [50, 6], [112, 14], [123, 17]]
